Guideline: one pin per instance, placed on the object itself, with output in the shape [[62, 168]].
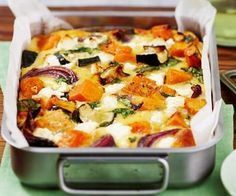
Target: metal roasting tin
[[102, 171]]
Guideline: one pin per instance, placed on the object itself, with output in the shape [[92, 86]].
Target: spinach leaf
[[125, 112], [94, 104], [26, 105], [125, 101]]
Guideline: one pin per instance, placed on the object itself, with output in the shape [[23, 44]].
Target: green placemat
[[212, 186]]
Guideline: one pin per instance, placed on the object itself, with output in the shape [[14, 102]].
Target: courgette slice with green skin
[[88, 61], [86, 113], [112, 74], [62, 60], [28, 58], [149, 59]]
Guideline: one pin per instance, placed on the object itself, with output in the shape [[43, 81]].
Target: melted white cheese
[[183, 90], [169, 43], [105, 57], [87, 127], [129, 67], [157, 77], [120, 133], [109, 102], [114, 88], [47, 134], [67, 44], [94, 40], [48, 92], [157, 117], [165, 142], [51, 60], [172, 103]]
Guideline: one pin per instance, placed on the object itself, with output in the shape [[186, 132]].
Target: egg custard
[[124, 87]]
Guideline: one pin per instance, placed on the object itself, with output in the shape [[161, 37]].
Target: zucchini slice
[[88, 61], [61, 59], [86, 113], [149, 59], [28, 58]]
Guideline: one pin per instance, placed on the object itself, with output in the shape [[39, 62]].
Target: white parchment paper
[[33, 18]]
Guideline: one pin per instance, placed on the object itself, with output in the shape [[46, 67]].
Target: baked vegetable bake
[[123, 87]]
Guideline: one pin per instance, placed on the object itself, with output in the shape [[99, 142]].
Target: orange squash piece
[[30, 86], [174, 76], [87, 91], [109, 47], [163, 31], [142, 127], [46, 42], [55, 121], [74, 138], [155, 101], [184, 138], [141, 86], [167, 91], [176, 120], [66, 105], [124, 54], [193, 105], [178, 48]]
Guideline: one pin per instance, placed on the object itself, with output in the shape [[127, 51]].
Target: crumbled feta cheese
[[157, 77], [169, 43], [157, 117], [157, 42], [120, 133], [94, 40], [105, 57], [173, 103], [113, 88], [165, 142], [87, 127], [48, 92], [67, 44], [51, 60], [47, 134], [93, 69], [184, 90], [128, 67], [109, 102]]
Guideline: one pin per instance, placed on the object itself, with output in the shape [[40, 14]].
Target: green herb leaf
[[125, 112], [81, 49], [125, 101], [188, 39], [94, 104], [116, 80], [132, 139], [146, 69], [61, 79], [105, 124], [26, 105], [171, 62]]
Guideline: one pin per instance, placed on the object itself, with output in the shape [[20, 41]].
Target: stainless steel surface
[[163, 164], [226, 78], [43, 167]]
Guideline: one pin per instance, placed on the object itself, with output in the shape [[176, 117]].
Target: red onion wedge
[[53, 71], [105, 141], [148, 140]]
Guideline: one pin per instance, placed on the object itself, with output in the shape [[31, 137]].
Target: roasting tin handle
[[63, 163]]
